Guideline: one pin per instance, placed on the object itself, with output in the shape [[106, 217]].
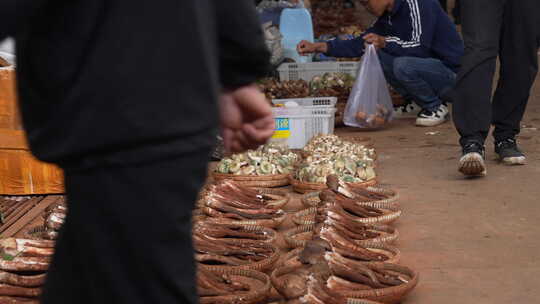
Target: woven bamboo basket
[[392, 252], [262, 266], [281, 285], [282, 198], [260, 181], [391, 213], [270, 234], [256, 294], [390, 295], [305, 187], [268, 223], [297, 237], [312, 199]]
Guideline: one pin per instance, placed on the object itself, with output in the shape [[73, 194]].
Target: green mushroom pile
[[269, 159]]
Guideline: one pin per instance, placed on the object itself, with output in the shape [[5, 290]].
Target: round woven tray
[[263, 181], [269, 233], [262, 266], [268, 223], [281, 285], [296, 237], [305, 187], [278, 203], [253, 296], [392, 213], [312, 199], [390, 295], [392, 252]]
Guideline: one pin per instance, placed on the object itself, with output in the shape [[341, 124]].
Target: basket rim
[[391, 235], [268, 223], [269, 177], [387, 218], [306, 187], [261, 266], [391, 202]]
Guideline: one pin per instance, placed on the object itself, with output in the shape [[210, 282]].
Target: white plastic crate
[[308, 102], [298, 125], [306, 71]]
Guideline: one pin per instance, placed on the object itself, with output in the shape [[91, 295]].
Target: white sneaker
[[428, 118], [407, 110]]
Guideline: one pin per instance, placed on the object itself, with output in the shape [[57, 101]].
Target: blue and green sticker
[[283, 128]]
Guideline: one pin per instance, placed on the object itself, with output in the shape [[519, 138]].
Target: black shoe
[[472, 163], [509, 153]]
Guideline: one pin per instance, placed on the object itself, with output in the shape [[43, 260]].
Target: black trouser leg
[[519, 65], [127, 237], [482, 23]]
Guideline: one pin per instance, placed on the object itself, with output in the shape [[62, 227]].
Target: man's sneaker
[[509, 153], [472, 163], [410, 109], [427, 118]]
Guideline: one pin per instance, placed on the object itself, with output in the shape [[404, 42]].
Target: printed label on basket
[[283, 129]]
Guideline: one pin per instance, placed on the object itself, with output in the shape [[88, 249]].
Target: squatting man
[[419, 49]]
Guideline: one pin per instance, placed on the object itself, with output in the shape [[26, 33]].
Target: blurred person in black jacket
[[123, 95]]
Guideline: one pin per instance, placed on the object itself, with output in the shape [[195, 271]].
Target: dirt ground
[[473, 240]]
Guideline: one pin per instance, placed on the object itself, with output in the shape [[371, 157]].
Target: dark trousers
[[510, 29], [422, 80], [127, 237]]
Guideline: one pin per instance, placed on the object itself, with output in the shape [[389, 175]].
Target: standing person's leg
[[519, 66], [127, 236], [481, 27], [425, 79]]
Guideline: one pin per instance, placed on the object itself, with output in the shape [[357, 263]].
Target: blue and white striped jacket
[[415, 28]]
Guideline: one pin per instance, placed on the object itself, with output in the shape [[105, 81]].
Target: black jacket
[[115, 82]]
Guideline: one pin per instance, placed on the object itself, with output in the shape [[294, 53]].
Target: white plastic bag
[[369, 105]]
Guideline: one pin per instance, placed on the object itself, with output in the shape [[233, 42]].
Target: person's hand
[[378, 41], [246, 119], [305, 47]]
